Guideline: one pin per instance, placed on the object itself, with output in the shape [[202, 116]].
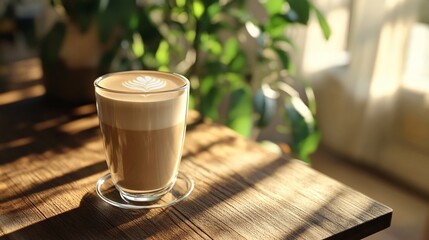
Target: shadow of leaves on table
[[59, 181], [93, 219], [96, 219], [33, 126]]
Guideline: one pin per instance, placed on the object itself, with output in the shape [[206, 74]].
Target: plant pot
[[72, 66]]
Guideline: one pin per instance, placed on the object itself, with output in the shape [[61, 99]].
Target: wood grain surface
[[52, 155]]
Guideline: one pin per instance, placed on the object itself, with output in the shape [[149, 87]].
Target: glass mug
[[143, 122]]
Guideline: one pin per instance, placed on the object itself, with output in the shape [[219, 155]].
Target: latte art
[[145, 84]]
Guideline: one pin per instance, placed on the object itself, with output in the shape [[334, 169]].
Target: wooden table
[[51, 157]]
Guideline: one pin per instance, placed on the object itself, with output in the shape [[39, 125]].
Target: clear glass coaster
[[108, 192]]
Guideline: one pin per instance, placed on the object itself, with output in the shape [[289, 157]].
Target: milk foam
[[145, 84], [140, 109], [141, 81]]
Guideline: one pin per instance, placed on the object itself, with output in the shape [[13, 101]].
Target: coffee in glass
[[142, 120]]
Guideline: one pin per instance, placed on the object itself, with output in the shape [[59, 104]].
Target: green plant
[[238, 64]]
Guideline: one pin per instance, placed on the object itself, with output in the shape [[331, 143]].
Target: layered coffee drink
[[142, 119]]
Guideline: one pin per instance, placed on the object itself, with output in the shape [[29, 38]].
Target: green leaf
[[164, 69], [299, 11], [134, 22], [304, 112], [230, 51], [283, 56], [206, 83], [213, 10], [162, 54], [190, 35], [284, 38], [214, 68], [276, 26], [211, 44], [137, 45], [274, 6], [266, 108], [198, 9], [119, 15], [210, 103], [299, 128], [239, 63], [234, 79], [326, 30], [305, 137], [240, 111], [181, 3], [308, 146]]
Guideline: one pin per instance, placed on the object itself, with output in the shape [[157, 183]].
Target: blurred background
[[262, 68]]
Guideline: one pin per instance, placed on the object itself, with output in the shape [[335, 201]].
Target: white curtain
[[357, 96], [378, 40]]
